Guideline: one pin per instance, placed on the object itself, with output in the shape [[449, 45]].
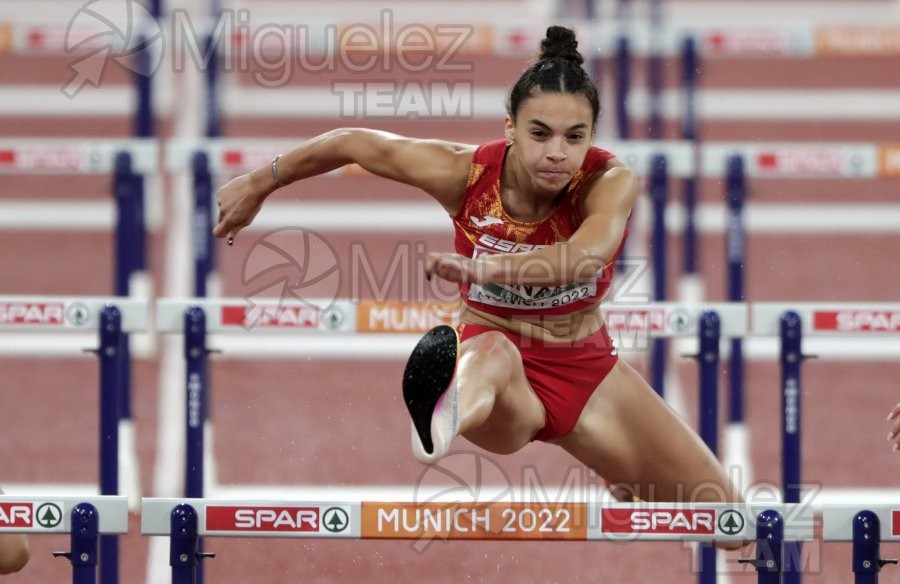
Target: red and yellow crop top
[[483, 227]]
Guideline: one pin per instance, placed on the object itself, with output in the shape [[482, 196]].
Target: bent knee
[[491, 357], [489, 342]]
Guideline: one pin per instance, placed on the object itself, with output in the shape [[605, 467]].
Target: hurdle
[[290, 321], [128, 162], [187, 520], [738, 162], [110, 319], [792, 323], [85, 519]]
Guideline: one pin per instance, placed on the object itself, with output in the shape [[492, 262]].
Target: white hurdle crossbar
[[185, 521], [70, 326], [52, 514], [74, 156], [843, 319], [322, 327]]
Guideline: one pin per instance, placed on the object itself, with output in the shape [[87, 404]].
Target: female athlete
[[540, 218]]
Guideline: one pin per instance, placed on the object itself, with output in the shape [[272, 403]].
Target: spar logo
[[635, 320], [731, 522], [749, 41], [32, 313], [15, 515], [272, 316], [649, 319], [61, 158], [818, 162], [277, 519], [857, 320], [658, 521]]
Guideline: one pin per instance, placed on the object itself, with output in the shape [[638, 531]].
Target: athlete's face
[[551, 136]]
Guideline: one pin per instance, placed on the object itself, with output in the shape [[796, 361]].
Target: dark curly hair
[[558, 69]]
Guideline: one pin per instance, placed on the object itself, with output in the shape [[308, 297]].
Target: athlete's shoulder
[[492, 152], [598, 157]]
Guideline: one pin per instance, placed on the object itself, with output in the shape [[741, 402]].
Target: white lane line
[[57, 215], [48, 100], [170, 433]]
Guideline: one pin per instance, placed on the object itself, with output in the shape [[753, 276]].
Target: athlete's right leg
[[499, 410], [488, 400]]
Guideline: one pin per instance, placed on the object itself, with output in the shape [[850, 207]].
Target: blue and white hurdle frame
[[87, 520], [792, 323], [128, 162], [26, 322], [428, 518]]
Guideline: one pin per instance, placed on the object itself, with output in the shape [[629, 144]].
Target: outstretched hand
[[239, 202], [894, 418]]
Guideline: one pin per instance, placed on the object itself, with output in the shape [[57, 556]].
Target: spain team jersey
[[483, 227]]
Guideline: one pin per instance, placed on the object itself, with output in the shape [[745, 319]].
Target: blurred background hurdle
[[127, 163], [84, 518], [109, 320], [792, 323]]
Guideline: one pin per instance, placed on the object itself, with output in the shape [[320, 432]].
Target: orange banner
[[455, 520], [858, 41], [6, 37], [890, 160], [403, 317]]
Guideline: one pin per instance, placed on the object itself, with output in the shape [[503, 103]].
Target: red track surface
[[341, 422]]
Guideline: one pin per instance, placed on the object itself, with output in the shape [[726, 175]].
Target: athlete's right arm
[[439, 168]]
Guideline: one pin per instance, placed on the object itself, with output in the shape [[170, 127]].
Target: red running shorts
[[563, 375]]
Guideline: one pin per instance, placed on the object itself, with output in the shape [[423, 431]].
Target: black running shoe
[[430, 393]]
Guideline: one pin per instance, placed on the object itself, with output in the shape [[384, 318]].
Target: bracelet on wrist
[[275, 176]]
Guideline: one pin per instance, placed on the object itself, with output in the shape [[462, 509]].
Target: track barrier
[[128, 162], [111, 318]]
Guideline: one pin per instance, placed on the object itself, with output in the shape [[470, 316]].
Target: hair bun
[[560, 43]]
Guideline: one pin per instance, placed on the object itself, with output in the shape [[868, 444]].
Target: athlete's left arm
[[607, 208]]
